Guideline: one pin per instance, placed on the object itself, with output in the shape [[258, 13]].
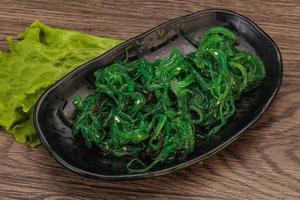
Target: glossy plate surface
[[57, 137]]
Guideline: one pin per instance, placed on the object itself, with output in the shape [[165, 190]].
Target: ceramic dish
[[57, 136]]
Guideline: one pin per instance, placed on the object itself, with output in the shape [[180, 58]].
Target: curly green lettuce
[[40, 57]]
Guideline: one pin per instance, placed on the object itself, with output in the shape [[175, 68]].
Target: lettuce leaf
[[41, 56]]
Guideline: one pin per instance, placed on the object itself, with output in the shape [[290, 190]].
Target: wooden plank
[[262, 164]]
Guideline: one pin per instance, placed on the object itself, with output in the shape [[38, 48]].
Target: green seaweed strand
[[152, 112]]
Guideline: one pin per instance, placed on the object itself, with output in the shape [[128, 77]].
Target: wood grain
[[263, 164]]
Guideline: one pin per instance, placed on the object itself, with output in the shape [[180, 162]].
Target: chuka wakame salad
[[154, 112]]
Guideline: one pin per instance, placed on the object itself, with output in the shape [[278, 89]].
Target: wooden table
[[263, 164]]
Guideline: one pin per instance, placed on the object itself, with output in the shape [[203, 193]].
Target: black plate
[[57, 137]]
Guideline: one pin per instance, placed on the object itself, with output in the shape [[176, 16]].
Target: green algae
[[153, 112]]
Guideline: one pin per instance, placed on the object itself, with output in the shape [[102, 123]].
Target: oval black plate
[[57, 137]]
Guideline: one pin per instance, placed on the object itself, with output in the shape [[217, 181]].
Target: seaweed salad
[[154, 112]]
